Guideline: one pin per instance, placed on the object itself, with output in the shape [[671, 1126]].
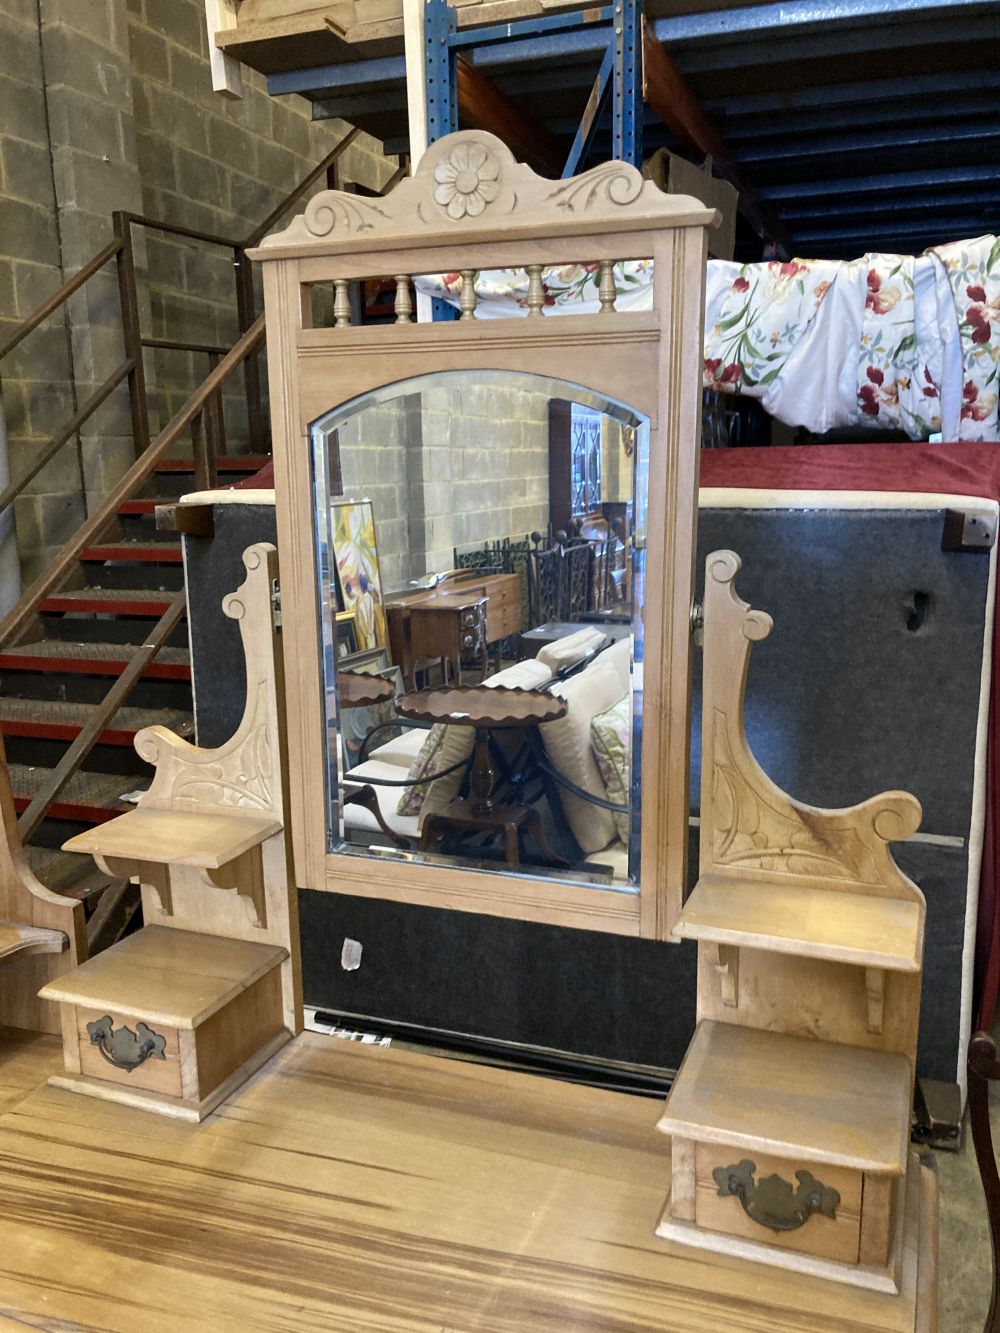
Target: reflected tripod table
[[487, 709], [356, 689]]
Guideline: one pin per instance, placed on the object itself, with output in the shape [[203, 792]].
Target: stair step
[[65, 872], [137, 507], [93, 659], [149, 553], [88, 798], [109, 601], [233, 463], [58, 720]]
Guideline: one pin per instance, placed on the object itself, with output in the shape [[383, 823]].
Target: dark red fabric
[[951, 469], [260, 481]]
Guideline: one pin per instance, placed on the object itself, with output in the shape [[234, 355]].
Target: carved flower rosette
[[466, 180]]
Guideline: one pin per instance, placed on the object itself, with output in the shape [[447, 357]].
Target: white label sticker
[[350, 955]]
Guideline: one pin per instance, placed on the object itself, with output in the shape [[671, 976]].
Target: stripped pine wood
[[347, 1188], [650, 359]]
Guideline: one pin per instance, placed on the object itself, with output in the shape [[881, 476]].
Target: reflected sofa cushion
[[610, 735], [427, 763], [568, 745], [570, 650], [453, 744]]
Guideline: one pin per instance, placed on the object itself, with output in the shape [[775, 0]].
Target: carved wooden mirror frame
[[471, 206]]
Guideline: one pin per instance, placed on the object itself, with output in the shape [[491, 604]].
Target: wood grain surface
[[351, 1188]]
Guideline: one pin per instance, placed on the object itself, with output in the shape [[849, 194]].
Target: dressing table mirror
[[466, 490]]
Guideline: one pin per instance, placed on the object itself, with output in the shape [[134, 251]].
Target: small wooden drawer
[[170, 1020], [803, 1206]]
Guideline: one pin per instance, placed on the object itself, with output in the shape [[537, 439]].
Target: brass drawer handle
[[773, 1202], [124, 1048]]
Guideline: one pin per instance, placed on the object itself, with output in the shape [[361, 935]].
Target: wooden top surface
[[792, 1097], [356, 689], [166, 976], [481, 706], [809, 922], [175, 837], [348, 1189]]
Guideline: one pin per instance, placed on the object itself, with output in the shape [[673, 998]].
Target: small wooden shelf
[[174, 977], [809, 922], [176, 837], [797, 1097]]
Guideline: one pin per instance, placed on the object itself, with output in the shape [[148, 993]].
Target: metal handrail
[[20, 615], [63, 294], [83, 414], [201, 413], [258, 233]]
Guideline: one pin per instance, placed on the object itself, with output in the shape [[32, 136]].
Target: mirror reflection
[[480, 542]]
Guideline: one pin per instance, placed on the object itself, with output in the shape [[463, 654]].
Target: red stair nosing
[[91, 666], [64, 731], [130, 507], [150, 553], [233, 463], [149, 605], [69, 810]]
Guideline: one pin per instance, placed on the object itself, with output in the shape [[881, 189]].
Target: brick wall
[[107, 104]]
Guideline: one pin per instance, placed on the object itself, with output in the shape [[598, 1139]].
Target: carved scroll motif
[[243, 773], [470, 180], [749, 825], [615, 183]]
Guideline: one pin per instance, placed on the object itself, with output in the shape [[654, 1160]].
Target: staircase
[[96, 649], [53, 682]]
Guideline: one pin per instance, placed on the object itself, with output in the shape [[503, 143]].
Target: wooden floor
[[354, 1188]]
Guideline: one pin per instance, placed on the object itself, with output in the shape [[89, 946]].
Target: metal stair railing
[[23, 613], [201, 415]]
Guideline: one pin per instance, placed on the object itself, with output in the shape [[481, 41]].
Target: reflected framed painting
[[358, 576], [347, 634]]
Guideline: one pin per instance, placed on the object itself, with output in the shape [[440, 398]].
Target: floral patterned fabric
[[972, 269], [890, 341]]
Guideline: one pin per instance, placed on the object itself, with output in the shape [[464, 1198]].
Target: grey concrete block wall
[[220, 166], [453, 465], [107, 104]]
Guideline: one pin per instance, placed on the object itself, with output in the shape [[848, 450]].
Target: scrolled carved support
[[875, 997], [152, 875], [728, 968], [243, 773], [244, 875], [749, 825]]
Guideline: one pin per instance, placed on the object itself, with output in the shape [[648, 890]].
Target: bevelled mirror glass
[[483, 527]]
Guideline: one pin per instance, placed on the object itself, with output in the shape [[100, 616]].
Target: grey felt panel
[[214, 569], [941, 873], [844, 699]]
